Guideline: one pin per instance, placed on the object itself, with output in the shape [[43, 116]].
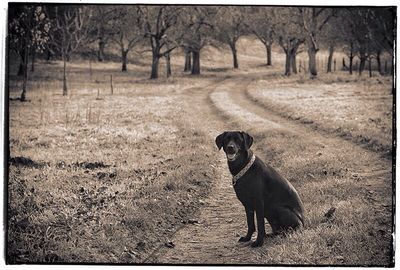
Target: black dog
[[260, 188]]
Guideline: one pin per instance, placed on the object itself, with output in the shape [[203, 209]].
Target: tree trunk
[[168, 65], [188, 61], [25, 73], [288, 64], [48, 55], [351, 59], [24, 48], [124, 55], [378, 61], [293, 61], [363, 59], [330, 57], [100, 53], [154, 66], [234, 55], [312, 65], [196, 63], [25, 67], [392, 67], [21, 68], [33, 59], [65, 89], [370, 67], [386, 66], [268, 47], [351, 63]]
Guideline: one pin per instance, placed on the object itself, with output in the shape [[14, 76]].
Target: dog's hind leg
[[287, 220]]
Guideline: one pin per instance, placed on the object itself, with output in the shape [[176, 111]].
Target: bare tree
[[188, 59], [261, 22], [381, 29], [158, 24], [289, 34], [313, 21], [198, 24], [368, 32], [126, 30], [356, 32], [381, 25], [103, 22], [229, 27], [331, 37], [70, 27]]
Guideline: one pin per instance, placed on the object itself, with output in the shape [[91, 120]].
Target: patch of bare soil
[[25, 162]]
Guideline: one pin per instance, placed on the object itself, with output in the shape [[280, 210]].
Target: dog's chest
[[244, 191]]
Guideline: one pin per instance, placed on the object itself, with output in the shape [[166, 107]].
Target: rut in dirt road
[[213, 239], [322, 168]]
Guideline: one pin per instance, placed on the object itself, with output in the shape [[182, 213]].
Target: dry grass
[[327, 174], [108, 178], [99, 179], [356, 108], [359, 232]]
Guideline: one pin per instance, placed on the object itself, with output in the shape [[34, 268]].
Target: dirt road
[[327, 171]]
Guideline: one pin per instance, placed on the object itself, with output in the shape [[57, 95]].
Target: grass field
[[110, 178], [105, 166], [359, 109]]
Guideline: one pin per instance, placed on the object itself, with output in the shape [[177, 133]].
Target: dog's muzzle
[[231, 152], [231, 157]]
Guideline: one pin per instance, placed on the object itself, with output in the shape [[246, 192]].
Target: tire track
[[214, 239], [361, 163]]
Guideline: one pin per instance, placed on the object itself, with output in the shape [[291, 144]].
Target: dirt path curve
[[213, 240]]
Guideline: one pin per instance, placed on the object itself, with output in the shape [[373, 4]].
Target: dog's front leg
[[250, 225], [260, 225]]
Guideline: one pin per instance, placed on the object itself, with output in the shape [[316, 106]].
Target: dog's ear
[[219, 141], [247, 140]]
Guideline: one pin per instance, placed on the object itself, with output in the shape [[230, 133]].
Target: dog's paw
[[257, 243], [244, 238]]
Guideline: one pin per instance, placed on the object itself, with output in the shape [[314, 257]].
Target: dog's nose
[[230, 147]]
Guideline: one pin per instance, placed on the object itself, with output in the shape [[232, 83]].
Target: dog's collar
[[236, 177]]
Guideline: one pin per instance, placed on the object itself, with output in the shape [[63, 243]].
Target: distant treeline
[[57, 31]]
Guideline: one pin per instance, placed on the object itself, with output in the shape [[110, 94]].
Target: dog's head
[[234, 143]]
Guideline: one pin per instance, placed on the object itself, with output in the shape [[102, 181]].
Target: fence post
[[90, 66], [111, 84]]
